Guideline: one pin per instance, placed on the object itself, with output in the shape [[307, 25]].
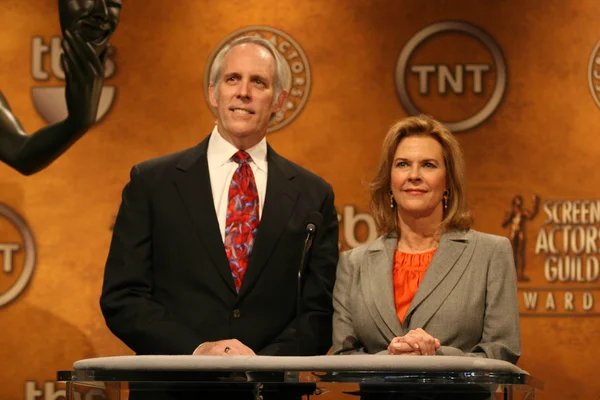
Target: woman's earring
[[445, 198], [391, 199]]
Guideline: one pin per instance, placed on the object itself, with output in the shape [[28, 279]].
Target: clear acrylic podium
[[321, 377]]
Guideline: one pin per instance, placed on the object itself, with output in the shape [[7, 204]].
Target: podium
[[318, 377]]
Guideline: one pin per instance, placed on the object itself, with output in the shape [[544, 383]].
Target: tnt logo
[[594, 74], [17, 255], [49, 101], [453, 71]]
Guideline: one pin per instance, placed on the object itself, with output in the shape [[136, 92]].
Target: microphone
[[314, 219]]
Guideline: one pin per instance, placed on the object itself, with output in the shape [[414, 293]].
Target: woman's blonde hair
[[457, 214]]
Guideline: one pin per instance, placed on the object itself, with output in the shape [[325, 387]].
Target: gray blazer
[[467, 299]]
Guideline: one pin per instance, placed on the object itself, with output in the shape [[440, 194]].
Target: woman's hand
[[417, 342]]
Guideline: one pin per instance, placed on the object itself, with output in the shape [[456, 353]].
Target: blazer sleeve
[[319, 279], [126, 300], [501, 331], [344, 336]]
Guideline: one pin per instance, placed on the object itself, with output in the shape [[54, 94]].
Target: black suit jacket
[[167, 284]]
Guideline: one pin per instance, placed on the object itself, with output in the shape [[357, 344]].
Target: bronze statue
[[87, 26], [94, 20], [516, 218]]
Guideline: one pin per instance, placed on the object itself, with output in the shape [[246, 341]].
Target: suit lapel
[[280, 200], [446, 268], [193, 184], [378, 288]]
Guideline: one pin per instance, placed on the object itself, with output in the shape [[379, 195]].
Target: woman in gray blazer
[[429, 285]]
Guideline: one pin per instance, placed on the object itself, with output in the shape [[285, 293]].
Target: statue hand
[[84, 74]]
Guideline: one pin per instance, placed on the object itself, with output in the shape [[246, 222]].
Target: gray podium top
[[375, 363], [368, 371]]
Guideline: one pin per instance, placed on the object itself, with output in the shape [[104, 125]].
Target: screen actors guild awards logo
[[49, 100], [296, 62], [594, 74], [453, 71], [17, 253], [566, 256]]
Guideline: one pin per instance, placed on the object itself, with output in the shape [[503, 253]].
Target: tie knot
[[241, 157]]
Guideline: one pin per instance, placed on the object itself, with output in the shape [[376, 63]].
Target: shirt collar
[[220, 151]]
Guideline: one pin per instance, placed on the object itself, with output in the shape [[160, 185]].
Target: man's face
[[244, 94], [94, 20]]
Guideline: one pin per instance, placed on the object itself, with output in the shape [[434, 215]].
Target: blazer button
[[236, 313]]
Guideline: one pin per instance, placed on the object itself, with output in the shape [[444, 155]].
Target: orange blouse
[[407, 274]]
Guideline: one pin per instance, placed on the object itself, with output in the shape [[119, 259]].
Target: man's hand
[[230, 347], [417, 342], [84, 75]]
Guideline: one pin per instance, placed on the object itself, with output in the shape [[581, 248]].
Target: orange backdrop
[[541, 139]]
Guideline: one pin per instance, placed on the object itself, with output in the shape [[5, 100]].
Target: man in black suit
[[178, 280]]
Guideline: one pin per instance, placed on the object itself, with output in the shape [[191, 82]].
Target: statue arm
[[508, 216], [536, 207], [84, 73]]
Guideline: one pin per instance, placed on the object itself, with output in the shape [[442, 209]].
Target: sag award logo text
[[296, 62], [568, 244]]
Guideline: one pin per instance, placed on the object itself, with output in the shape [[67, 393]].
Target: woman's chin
[[417, 211]]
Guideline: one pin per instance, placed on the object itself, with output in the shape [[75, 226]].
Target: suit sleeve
[[319, 278], [127, 304], [501, 332], [344, 336]]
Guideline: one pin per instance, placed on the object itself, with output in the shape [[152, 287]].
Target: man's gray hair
[[282, 72]]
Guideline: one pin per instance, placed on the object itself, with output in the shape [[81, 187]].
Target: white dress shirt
[[221, 168]]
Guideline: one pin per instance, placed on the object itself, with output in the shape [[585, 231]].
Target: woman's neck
[[418, 235]]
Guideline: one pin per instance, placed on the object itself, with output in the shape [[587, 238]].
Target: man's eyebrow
[[261, 77]]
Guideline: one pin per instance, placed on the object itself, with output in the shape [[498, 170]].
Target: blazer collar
[[378, 288], [280, 201], [193, 184], [443, 273], [447, 266]]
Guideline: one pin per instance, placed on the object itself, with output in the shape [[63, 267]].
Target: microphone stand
[[310, 233]]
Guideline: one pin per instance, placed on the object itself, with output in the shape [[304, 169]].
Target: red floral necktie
[[242, 218]]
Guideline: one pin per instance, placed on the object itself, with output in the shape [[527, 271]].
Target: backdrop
[[519, 83]]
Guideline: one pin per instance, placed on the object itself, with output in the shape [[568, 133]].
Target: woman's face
[[94, 20], [418, 177]]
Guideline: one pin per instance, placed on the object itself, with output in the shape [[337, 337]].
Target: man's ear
[[280, 101], [211, 95]]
